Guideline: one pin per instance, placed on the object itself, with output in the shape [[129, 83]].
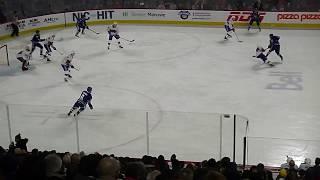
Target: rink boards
[[295, 20]]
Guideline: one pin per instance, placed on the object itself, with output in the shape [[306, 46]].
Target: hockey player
[[229, 27], [48, 44], [66, 65], [24, 56], [274, 45], [254, 17], [260, 55], [84, 99], [113, 31], [36, 42], [81, 25]]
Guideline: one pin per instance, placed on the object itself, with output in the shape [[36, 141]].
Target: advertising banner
[[268, 19]]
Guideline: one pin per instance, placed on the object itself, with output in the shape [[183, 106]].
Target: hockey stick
[[59, 52], [237, 36], [93, 31], [127, 39], [76, 69]]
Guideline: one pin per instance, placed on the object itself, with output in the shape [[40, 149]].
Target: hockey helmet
[[53, 36], [114, 24], [37, 31], [270, 35], [259, 47], [89, 89], [72, 53]]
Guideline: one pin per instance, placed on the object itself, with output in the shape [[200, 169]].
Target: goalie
[[24, 56]]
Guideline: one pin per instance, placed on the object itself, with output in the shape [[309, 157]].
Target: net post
[[234, 138], [244, 152], [220, 146], [147, 133], [7, 55], [9, 123]]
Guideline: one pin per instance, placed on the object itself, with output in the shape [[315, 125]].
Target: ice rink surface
[[174, 69]]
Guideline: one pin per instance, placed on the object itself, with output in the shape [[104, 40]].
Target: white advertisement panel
[[35, 22], [176, 16]]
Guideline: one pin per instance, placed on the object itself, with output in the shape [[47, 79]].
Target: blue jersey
[[36, 38], [274, 41], [81, 22], [85, 98], [255, 16]]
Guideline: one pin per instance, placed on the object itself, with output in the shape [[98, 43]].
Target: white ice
[[174, 69]]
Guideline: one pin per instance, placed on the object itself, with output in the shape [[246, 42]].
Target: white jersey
[[259, 51], [229, 25], [49, 40], [67, 58], [113, 30], [24, 54]]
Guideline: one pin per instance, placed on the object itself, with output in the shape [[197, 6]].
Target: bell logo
[[184, 14]]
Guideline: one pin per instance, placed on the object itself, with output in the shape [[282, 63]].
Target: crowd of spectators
[[18, 163], [32, 8]]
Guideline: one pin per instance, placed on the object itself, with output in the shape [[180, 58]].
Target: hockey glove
[[90, 106], [72, 66], [54, 48]]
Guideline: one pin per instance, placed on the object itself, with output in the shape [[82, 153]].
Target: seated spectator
[[213, 175], [161, 5], [162, 166], [53, 165], [21, 143], [88, 167], [306, 165], [287, 164], [314, 172], [108, 169], [185, 174], [74, 166], [153, 175], [172, 6], [263, 173], [258, 5], [282, 174], [135, 171], [293, 166]]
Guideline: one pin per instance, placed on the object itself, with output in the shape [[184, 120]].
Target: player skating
[[260, 55], [66, 64], [84, 99], [229, 28], [274, 45], [113, 31], [24, 56], [254, 17], [81, 25], [48, 44], [36, 42]]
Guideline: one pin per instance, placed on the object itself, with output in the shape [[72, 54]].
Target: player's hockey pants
[[36, 44]]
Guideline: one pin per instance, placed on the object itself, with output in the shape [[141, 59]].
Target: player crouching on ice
[[84, 99], [24, 56], [260, 55], [66, 65], [113, 31], [229, 27]]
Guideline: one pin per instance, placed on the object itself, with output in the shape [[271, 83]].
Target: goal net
[[4, 58]]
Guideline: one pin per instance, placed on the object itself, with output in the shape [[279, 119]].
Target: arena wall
[[289, 20]]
